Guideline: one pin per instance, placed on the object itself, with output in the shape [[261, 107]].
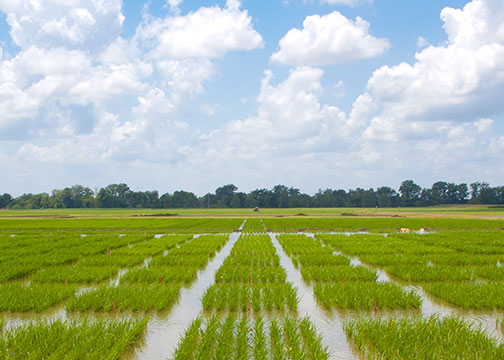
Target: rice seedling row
[[245, 297], [74, 274], [417, 338], [71, 339], [254, 226], [366, 296], [126, 297], [35, 297], [344, 286], [251, 278], [239, 338], [470, 295]]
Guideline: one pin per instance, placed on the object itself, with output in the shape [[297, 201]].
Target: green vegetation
[[239, 297], [18, 297], [234, 338], [169, 224], [134, 297], [70, 340], [470, 295], [254, 225], [366, 295], [337, 273], [251, 278], [74, 274], [416, 338], [431, 273], [340, 285]]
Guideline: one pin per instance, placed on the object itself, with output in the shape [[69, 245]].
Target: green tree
[[5, 200], [410, 193]]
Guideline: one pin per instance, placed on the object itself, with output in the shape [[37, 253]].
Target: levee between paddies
[[261, 288]]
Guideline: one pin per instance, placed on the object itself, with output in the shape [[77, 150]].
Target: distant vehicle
[[257, 209]]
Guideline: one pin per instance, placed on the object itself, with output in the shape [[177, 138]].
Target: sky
[[191, 95]]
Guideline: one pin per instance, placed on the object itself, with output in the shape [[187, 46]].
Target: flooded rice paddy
[[319, 266]]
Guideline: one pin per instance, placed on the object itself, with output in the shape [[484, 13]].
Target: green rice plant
[[100, 339], [279, 296], [312, 341], [36, 297], [430, 273], [256, 298], [470, 295], [337, 273], [366, 295], [208, 299], [323, 259], [161, 274], [74, 274], [242, 340], [277, 350], [112, 260], [206, 348], [187, 345], [245, 295], [221, 297], [132, 297], [500, 325], [260, 351], [225, 339], [233, 298], [253, 226], [292, 297], [14, 269], [292, 338], [393, 259], [229, 272], [490, 272], [417, 338], [180, 260], [268, 298]]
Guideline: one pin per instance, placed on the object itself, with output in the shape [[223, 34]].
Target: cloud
[[209, 33], [329, 40], [73, 24], [174, 5], [422, 42], [290, 121], [455, 82]]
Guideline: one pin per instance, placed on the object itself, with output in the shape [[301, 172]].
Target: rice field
[[106, 288]]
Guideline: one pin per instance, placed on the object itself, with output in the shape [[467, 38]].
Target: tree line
[[280, 196]]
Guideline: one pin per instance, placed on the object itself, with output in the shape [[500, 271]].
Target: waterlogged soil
[[165, 329]]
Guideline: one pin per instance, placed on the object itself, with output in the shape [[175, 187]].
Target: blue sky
[[192, 95]]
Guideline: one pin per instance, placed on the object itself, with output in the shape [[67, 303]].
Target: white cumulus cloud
[[209, 32], [329, 40], [75, 24], [454, 82]]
